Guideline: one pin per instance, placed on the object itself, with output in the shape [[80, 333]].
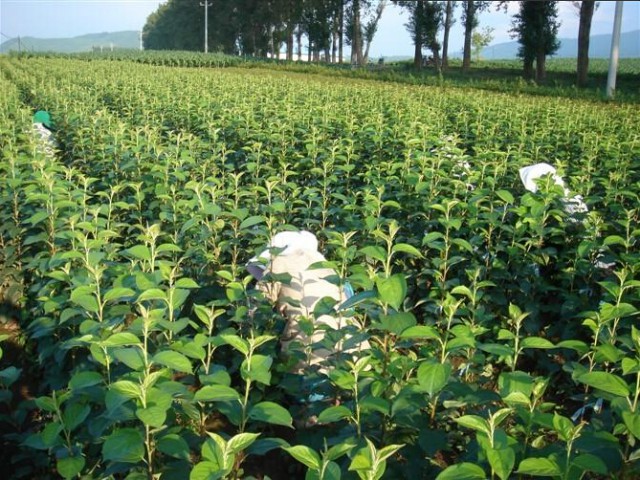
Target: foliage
[[481, 39], [536, 28], [503, 332], [425, 21]]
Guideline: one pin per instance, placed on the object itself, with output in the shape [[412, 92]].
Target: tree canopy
[[536, 27], [262, 27]]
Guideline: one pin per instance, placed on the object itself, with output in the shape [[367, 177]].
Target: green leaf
[[462, 290], [590, 463], [74, 414], [462, 471], [420, 331], [432, 377], [375, 404], [334, 414], [120, 339], [84, 380], [502, 461], [374, 251], [152, 294], [632, 422], [540, 467], [607, 382], [125, 445], [563, 426], [406, 248], [397, 323], [173, 360], [236, 342], [496, 349], [576, 345], [70, 467], [630, 365], [153, 416], [207, 471], [131, 357], [118, 293], [392, 290], [357, 299], [127, 388], [505, 196], [46, 403], [174, 446], [187, 283], [536, 342], [251, 221], [259, 369], [272, 413], [462, 243], [85, 297], [342, 379], [168, 247], [474, 422], [51, 434], [141, 252], [216, 393], [241, 441], [331, 472]]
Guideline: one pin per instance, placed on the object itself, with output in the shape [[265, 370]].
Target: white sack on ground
[[307, 287], [530, 174]]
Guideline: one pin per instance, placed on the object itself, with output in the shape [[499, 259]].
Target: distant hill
[[83, 43], [599, 47]]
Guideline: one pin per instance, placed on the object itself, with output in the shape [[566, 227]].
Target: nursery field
[[502, 330]]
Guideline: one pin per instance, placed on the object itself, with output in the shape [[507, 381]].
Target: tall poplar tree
[[584, 34], [470, 11], [536, 27]]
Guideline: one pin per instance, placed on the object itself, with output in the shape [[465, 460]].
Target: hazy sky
[[67, 18]]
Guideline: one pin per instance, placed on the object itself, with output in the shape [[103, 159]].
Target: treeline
[[264, 28]]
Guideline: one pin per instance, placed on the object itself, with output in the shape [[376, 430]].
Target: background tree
[[480, 39], [425, 20], [536, 28], [470, 11], [449, 20], [370, 27], [363, 17], [584, 35]]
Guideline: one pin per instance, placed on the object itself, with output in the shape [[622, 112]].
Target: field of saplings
[[500, 325]]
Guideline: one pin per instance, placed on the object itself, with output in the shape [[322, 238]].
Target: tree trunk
[[369, 39], [584, 31], [447, 28], [299, 42], [341, 33], [272, 42], [468, 31], [417, 53], [435, 49], [541, 70], [290, 42], [356, 44], [528, 67]]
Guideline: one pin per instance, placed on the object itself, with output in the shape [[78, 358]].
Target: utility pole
[[206, 4], [615, 51]]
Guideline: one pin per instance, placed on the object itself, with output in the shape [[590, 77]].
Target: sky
[[68, 18]]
